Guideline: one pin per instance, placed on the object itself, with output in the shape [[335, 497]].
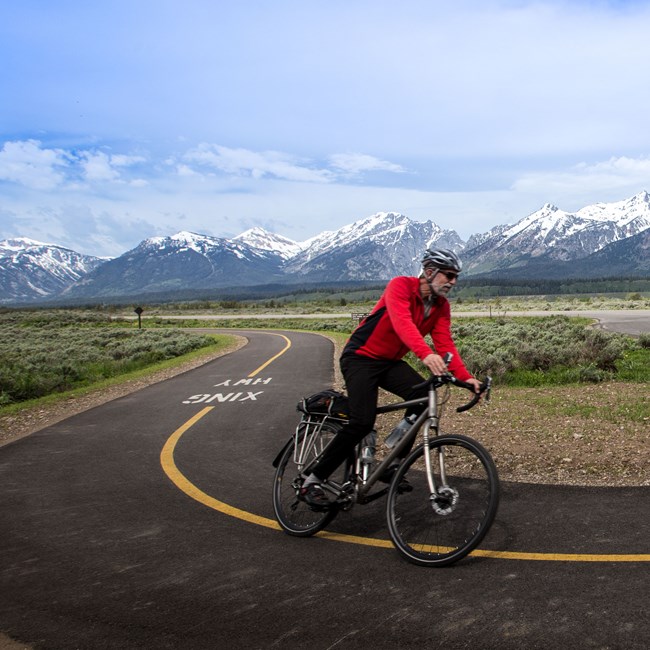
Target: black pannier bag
[[326, 402]]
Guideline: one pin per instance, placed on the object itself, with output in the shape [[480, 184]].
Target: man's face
[[442, 281]]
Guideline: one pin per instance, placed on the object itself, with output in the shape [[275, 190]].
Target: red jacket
[[397, 324]]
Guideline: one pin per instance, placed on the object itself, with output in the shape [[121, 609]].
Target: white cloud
[[255, 164], [356, 163], [281, 165], [123, 160], [86, 199], [617, 176], [29, 163], [26, 163], [100, 166], [97, 167]]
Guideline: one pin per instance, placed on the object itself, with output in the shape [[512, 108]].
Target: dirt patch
[[572, 435]]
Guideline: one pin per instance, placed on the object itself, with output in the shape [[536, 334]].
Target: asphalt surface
[[147, 523]]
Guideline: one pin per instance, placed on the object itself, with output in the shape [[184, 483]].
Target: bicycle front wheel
[[439, 528], [294, 515]]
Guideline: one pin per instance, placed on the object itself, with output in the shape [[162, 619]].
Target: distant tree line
[[477, 287], [468, 287]]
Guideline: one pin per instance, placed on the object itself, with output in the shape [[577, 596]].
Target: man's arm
[[398, 296], [444, 343]]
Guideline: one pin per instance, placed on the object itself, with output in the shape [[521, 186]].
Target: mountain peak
[[258, 237], [555, 234], [20, 243], [374, 249]]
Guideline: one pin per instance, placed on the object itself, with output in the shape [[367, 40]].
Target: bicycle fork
[[443, 498]]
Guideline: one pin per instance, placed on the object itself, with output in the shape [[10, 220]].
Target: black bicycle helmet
[[442, 258]]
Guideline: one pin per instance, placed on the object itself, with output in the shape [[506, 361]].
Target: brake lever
[[488, 388], [484, 392]]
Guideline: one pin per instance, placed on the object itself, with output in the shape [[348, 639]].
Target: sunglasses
[[450, 275]]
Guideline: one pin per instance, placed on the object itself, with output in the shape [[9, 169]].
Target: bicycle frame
[[445, 475], [307, 432], [429, 418]]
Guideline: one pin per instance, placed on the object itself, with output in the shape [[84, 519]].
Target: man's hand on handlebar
[[438, 366], [435, 363], [476, 383]]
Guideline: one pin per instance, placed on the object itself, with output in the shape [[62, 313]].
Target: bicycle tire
[[438, 532], [294, 515]]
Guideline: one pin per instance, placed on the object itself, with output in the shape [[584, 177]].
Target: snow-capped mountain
[[558, 235], [601, 239], [30, 269], [624, 258], [375, 248], [268, 241], [372, 249], [182, 261]]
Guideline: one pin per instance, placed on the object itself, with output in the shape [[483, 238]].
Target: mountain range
[[597, 241]]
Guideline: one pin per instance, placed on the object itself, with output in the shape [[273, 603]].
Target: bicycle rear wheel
[[438, 530], [294, 515]]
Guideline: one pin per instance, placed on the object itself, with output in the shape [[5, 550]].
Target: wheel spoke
[[293, 514], [441, 529]]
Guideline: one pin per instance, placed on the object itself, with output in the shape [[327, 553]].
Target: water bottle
[[398, 432], [368, 446]]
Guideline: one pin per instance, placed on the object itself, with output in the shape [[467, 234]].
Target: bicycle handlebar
[[448, 378], [484, 388]]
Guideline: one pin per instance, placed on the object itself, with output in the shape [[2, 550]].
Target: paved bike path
[[100, 549]]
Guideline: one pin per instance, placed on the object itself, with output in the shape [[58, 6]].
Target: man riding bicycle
[[408, 310]]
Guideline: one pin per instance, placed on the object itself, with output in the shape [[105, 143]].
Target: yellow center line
[[272, 359], [186, 486]]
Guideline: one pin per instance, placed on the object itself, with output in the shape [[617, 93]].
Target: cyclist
[[372, 358]]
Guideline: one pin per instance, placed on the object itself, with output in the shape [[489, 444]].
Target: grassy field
[[47, 352], [44, 353], [571, 404], [362, 301]]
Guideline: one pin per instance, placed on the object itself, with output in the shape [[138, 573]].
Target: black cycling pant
[[363, 379]]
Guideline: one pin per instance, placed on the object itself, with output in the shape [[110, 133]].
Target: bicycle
[[455, 485]]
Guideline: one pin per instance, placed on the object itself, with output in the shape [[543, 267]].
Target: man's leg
[[399, 379], [361, 379]]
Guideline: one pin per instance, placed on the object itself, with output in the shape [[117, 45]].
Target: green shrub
[[534, 351], [39, 357]]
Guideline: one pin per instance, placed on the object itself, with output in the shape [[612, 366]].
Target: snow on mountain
[[630, 212], [267, 241], [31, 269], [372, 249], [376, 248], [181, 241], [204, 245], [180, 262], [8, 246], [629, 217], [557, 234]]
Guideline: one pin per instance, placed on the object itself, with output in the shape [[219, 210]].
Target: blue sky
[[123, 120]]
